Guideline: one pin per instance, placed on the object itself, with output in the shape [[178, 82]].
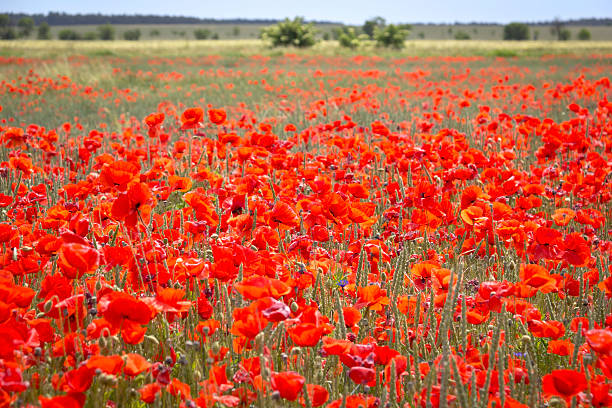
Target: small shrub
[[516, 32], [584, 35], [106, 32], [348, 38], [154, 33], [291, 33], [201, 33], [391, 36], [68, 35], [462, 35], [565, 35], [44, 31], [90, 36], [131, 35]]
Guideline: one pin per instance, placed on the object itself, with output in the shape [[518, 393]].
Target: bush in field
[[348, 38], [68, 35], [201, 34], [370, 26], [26, 26], [291, 33], [391, 36], [132, 35], [106, 32], [584, 35], [516, 32], [7, 32], [462, 35], [89, 36], [44, 32], [565, 35]]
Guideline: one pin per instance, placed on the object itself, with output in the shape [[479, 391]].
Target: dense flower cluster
[[340, 232]]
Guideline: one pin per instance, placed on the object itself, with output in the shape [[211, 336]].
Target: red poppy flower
[[289, 384], [76, 260], [192, 118], [564, 383], [600, 341], [217, 116]]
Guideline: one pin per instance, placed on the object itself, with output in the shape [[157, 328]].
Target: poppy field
[[305, 231]]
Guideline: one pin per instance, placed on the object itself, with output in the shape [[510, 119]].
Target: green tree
[[462, 35], [348, 38], [7, 31], [584, 35], [26, 26], [89, 36], [291, 33], [44, 32], [557, 28], [391, 36], [370, 26], [68, 35], [236, 31], [106, 32], [131, 35], [565, 35], [201, 33], [516, 32]]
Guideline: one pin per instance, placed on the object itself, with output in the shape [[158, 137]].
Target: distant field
[[496, 32], [189, 47], [419, 31]]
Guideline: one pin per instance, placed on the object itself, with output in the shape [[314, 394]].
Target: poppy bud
[[294, 307], [215, 347]]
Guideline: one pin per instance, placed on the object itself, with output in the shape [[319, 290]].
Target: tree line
[[66, 19]]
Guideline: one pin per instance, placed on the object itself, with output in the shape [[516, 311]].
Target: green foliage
[[154, 33], [370, 26], [202, 33], [462, 35], [236, 31], [7, 32], [44, 32], [291, 33], [214, 36], [106, 32], [90, 36], [565, 35], [68, 35], [131, 35], [584, 35], [391, 36], [516, 32], [26, 26], [348, 38]]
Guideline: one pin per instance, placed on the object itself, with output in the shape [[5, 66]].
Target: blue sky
[[346, 11]]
